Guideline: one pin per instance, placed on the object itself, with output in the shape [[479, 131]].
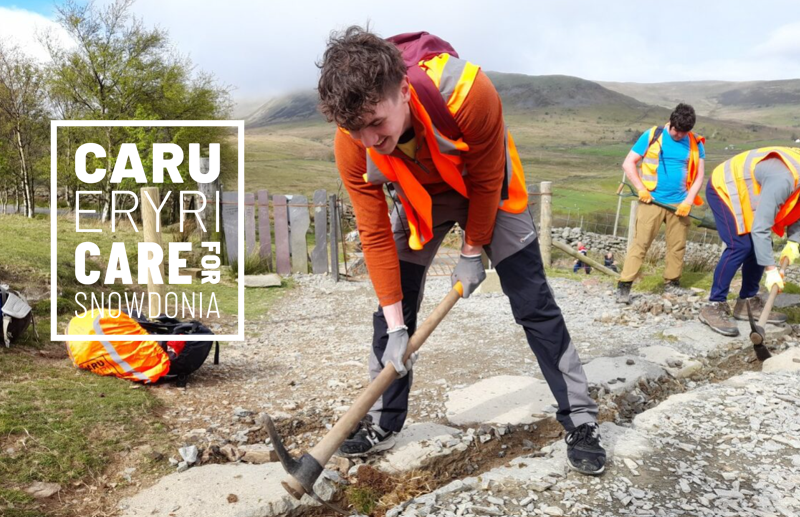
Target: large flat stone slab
[[418, 444], [618, 374], [270, 280], [788, 361], [787, 300], [505, 399], [701, 339], [698, 337], [677, 363], [207, 490]]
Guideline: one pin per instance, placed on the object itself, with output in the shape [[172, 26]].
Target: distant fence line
[[287, 252]]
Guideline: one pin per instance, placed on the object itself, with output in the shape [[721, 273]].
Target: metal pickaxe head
[[305, 470], [757, 336]]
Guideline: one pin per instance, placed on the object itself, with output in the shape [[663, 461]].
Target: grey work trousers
[[514, 251]]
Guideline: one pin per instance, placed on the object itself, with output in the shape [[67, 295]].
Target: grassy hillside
[[519, 92], [775, 103], [570, 131]]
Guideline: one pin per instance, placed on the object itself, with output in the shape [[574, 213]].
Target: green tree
[[119, 69]]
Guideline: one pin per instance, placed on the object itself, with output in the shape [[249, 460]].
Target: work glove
[[774, 277], [470, 272], [645, 196], [683, 209], [791, 251], [396, 350]]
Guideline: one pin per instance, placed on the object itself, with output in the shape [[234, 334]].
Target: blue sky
[[44, 7], [266, 48]]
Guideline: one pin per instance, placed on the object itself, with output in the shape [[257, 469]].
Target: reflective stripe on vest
[[736, 185], [454, 78], [112, 352], [648, 168]]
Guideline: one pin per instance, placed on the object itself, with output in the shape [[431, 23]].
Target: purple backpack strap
[[416, 47]]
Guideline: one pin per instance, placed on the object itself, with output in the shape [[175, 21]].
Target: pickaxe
[[757, 333], [303, 472], [707, 221]]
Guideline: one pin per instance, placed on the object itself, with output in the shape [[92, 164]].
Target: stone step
[[230, 490]]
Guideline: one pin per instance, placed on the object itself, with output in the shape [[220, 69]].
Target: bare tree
[[23, 116]]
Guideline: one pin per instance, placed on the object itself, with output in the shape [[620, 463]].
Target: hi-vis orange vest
[[143, 361], [454, 78], [648, 172], [736, 184]]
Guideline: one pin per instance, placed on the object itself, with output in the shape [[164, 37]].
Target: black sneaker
[[624, 292], [584, 452], [368, 438]]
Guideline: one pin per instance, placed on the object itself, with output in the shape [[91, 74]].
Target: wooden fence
[[288, 221]]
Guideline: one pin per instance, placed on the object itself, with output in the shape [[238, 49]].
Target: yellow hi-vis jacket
[[143, 361], [648, 171], [454, 78], [735, 182]]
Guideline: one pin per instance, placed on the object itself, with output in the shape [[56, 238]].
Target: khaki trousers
[[649, 218]]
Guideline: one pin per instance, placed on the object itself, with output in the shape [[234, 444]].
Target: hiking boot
[[624, 292], [718, 316], [674, 288], [757, 307], [584, 452], [368, 438]]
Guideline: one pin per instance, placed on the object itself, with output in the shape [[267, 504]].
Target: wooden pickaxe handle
[[773, 293], [329, 444]]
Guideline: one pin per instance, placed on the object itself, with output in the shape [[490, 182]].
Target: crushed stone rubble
[[725, 449]]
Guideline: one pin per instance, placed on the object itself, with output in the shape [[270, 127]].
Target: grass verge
[[66, 426]]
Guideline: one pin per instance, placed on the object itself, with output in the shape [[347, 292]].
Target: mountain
[[775, 103], [526, 92], [519, 93], [294, 107]]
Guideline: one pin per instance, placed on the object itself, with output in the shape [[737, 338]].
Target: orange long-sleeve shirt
[[480, 120]]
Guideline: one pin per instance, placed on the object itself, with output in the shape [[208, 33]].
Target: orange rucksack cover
[[143, 361]]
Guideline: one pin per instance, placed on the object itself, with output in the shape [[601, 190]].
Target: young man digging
[[752, 195], [665, 165], [461, 169]]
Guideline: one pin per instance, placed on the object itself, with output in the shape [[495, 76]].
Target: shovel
[[757, 333], [707, 221], [303, 472]]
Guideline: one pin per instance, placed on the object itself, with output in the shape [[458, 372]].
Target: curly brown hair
[[683, 117], [358, 70]]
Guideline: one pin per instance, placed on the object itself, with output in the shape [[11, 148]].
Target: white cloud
[[783, 43], [22, 28], [266, 48]]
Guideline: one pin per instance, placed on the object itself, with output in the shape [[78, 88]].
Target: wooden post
[[282, 265], [153, 234], [545, 237], [334, 248], [632, 224], [319, 255], [230, 226], [249, 224], [264, 236]]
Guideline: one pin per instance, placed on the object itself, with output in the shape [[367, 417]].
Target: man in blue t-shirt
[[665, 165]]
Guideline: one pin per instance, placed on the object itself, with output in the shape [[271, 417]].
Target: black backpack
[[194, 353], [16, 317]]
